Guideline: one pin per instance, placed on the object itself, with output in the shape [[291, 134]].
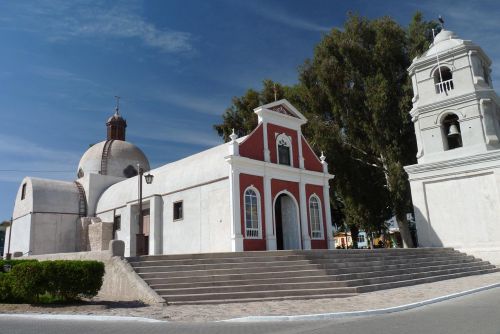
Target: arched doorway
[[286, 218]]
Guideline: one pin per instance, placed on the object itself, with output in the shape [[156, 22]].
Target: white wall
[[459, 208], [53, 233], [21, 231], [206, 225]]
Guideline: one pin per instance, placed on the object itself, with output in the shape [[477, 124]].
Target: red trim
[[311, 160], [272, 132], [318, 191], [253, 146], [246, 181]]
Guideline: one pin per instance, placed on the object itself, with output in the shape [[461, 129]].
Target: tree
[[359, 75], [240, 116]]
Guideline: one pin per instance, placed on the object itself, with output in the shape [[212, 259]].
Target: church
[[265, 191]]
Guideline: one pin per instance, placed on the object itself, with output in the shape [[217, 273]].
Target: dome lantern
[[116, 124]]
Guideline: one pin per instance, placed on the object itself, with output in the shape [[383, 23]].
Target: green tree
[[359, 75], [240, 115]]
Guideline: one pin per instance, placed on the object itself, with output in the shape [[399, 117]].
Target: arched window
[[443, 79], [451, 131], [315, 218], [284, 149], [252, 214]]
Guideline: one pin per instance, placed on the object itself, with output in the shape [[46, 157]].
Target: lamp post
[[149, 180], [9, 225]]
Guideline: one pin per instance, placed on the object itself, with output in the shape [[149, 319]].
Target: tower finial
[[441, 21], [117, 104], [233, 136]]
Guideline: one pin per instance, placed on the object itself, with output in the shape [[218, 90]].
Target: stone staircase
[[275, 275]]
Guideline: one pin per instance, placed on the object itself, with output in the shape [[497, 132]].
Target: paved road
[[478, 313]]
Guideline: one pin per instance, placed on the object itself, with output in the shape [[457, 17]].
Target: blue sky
[[176, 65]]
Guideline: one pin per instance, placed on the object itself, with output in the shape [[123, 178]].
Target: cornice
[[493, 156]]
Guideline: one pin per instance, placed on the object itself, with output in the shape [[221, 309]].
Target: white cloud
[[62, 20], [281, 16], [211, 106]]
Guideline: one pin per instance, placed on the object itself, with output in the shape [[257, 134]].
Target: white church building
[[456, 183], [265, 191]]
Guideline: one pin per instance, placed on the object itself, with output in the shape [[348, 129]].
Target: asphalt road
[[477, 313]]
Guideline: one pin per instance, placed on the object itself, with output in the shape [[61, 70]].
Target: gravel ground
[[201, 313]]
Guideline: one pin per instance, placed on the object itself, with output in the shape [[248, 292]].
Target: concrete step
[[402, 283], [316, 252], [331, 292], [257, 267], [251, 276], [331, 263], [232, 258], [289, 277], [204, 263], [161, 278], [319, 286]]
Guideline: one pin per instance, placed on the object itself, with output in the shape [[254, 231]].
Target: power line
[[36, 171]]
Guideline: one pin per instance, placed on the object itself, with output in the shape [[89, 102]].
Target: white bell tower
[[456, 183], [455, 109]]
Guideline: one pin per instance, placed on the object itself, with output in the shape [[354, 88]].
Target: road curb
[[76, 317], [338, 315]]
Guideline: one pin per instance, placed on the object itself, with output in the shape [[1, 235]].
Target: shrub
[[55, 280], [70, 279], [6, 293], [12, 263], [28, 280]]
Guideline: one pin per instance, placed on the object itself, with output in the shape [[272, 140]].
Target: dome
[[122, 159], [443, 41]]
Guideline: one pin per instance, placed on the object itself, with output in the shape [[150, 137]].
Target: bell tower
[[116, 124], [455, 185], [455, 109]]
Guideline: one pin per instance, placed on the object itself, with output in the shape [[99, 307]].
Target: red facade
[[253, 147]]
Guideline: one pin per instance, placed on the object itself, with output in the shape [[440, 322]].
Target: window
[[361, 238], [443, 80], [117, 223], [252, 214], [284, 148], [23, 192], [315, 218], [178, 214], [451, 131]]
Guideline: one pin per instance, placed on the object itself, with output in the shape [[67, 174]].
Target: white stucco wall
[[459, 207], [45, 220], [206, 223], [54, 233]]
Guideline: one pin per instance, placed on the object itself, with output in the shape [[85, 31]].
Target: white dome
[[122, 157], [443, 41]]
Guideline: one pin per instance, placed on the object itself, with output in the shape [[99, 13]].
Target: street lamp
[[9, 225], [149, 180]]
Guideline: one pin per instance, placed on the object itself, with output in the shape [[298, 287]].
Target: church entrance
[[142, 241], [287, 223]]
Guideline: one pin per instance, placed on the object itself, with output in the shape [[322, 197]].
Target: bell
[[453, 131]]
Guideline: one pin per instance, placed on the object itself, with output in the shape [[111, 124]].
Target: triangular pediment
[[282, 107]]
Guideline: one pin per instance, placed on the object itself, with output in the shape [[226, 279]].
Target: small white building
[[456, 184], [265, 191]]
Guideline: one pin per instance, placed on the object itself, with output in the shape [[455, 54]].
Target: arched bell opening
[[451, 131]]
